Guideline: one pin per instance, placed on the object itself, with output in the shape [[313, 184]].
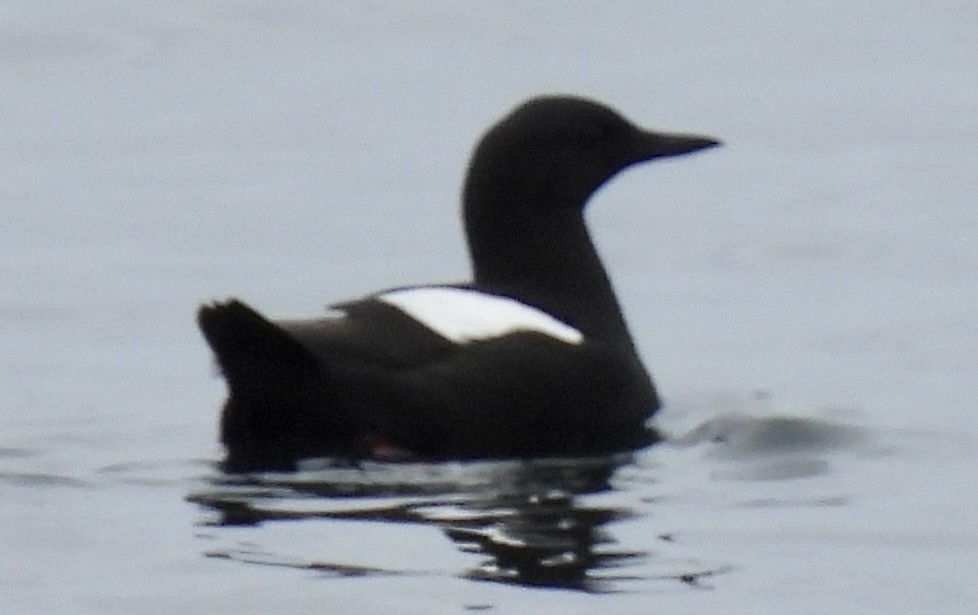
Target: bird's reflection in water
[[534, 522]]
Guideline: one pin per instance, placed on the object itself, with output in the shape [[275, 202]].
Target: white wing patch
[[464, 315]]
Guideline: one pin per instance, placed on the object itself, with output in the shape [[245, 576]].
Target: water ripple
[[530, 523]]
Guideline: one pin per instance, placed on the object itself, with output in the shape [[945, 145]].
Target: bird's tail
[[248, 346], [271, 380]]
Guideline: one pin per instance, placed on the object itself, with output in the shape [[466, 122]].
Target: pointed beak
[[663, 144]]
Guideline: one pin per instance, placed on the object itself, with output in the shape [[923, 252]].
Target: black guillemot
[[532, 358]]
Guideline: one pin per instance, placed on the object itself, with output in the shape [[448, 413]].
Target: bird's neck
[[545, 259]]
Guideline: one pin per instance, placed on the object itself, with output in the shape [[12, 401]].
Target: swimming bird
[[531, 358]]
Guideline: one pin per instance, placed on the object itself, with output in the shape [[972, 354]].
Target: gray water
[[804, 298]]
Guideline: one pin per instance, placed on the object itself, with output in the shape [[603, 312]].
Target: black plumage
[[374, 379]]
